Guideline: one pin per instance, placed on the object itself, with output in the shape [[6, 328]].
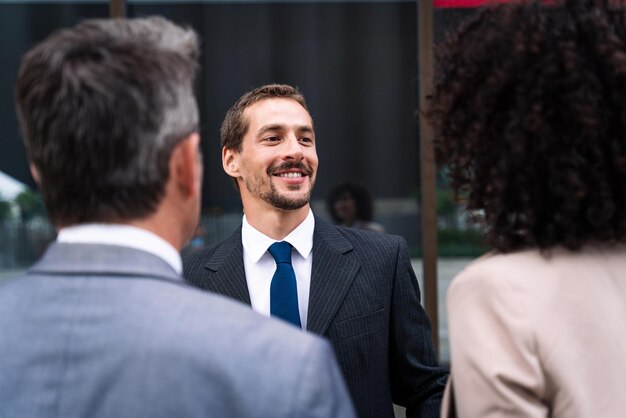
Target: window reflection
[[24, 229]]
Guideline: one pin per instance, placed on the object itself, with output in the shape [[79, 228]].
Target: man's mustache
[[299, 165]]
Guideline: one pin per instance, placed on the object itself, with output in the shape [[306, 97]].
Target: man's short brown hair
[[235, 126]]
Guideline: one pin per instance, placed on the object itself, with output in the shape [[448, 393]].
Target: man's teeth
[[290, 175]]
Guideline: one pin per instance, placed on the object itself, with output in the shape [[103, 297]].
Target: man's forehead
[[277, 111]]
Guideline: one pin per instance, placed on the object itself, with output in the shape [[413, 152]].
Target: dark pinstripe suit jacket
[[365, 299]]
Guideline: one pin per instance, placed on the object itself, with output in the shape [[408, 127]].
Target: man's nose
[[293, 148]]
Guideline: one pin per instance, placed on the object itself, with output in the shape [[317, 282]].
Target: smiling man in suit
[[356, 288], [103, 325]]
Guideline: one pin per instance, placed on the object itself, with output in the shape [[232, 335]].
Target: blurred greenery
[[5, 209], [455, 236], [447, 210], [457, 243], [461, 243], [30, 204]]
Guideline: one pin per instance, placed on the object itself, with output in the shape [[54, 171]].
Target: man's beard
[[273, 196]]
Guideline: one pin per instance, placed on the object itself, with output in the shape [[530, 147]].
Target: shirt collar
[[256, 243], [125, 236]]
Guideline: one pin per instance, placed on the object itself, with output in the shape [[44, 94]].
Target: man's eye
[[272, 139], [306, 139]]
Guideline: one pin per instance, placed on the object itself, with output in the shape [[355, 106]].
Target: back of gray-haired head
[[101, 107]]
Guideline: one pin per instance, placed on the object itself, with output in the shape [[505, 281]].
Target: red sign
[[465, 3]]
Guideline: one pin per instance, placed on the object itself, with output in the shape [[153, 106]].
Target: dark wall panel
[[355, 62], [21, 27]]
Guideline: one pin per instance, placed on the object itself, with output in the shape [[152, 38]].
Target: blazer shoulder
[[361, 237], [199, 259], [368, 247], [13, 291]]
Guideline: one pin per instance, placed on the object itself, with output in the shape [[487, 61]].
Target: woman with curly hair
[[350, 204], [529, 112]]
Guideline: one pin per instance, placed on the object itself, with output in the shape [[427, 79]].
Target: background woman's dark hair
[[529, 112], [362, 201]]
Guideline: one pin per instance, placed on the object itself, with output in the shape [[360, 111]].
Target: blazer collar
[[101, 259], [332, 274], [228, 274]]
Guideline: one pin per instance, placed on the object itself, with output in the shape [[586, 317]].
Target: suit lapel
[[227, 274], [332, 274]]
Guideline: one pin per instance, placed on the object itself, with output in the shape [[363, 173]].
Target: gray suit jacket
[[107, 331], [365, 299]]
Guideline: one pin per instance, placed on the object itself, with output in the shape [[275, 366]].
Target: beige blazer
[[535, 336]]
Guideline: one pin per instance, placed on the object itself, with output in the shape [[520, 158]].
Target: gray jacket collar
[[100, 259]]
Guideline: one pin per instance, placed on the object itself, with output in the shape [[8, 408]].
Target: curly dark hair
[[235, 126], [529, 113], [362, 201]]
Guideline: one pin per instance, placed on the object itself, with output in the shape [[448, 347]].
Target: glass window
[[459, 241], [356, 64], [24, 228]]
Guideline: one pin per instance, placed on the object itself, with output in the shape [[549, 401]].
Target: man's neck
[[276, 223], [163, 226]]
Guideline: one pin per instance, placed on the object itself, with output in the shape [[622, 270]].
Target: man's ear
[[230, 162], [186, 165]]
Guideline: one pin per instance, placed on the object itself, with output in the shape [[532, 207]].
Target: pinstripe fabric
[[331, 277], [365, 299], [220, 269]]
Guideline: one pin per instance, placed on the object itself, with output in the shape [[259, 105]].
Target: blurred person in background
[[104, 325], [351, 205], [529, 113]]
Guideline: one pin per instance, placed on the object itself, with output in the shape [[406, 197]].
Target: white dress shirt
[[260, 265], [125, 236]]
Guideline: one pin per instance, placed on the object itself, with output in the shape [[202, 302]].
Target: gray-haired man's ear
[[186, 166], [34, 172]]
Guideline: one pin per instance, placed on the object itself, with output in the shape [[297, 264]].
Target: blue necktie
[[283, 291]]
